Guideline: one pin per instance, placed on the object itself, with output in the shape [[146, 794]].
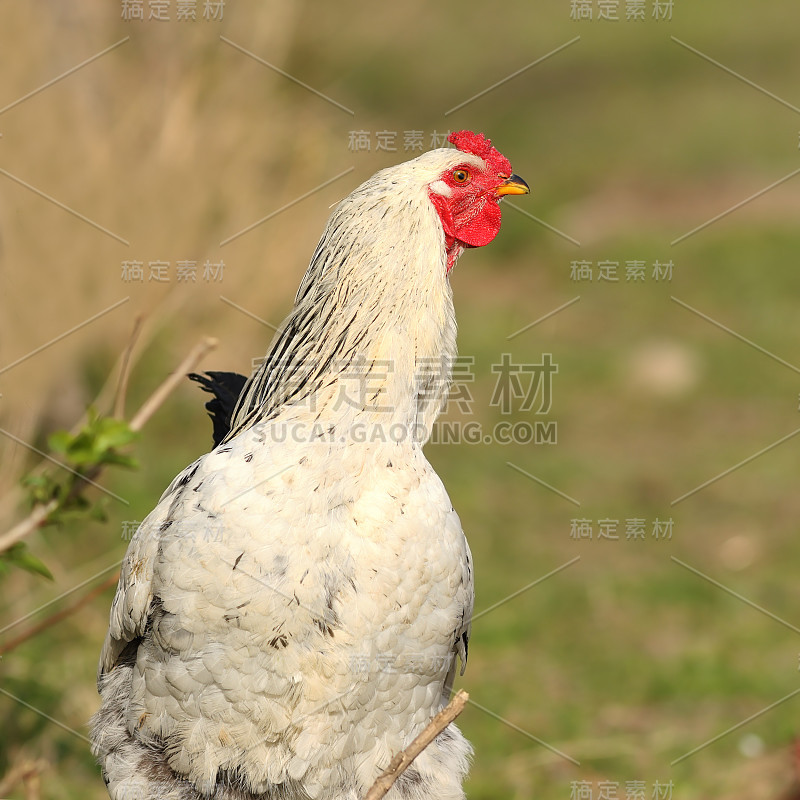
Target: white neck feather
[[372, 335]]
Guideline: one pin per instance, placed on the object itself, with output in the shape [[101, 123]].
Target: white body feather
[[289, 615]]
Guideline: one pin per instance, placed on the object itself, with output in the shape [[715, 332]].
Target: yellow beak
[[513, 185]]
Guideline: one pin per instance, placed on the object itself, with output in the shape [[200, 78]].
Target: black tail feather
[[226, 388]]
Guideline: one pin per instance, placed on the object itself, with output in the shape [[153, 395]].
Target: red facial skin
[[471, 215]]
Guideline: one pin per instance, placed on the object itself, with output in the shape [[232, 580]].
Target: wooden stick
[[403, 759]]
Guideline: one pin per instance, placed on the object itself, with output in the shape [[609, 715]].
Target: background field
[[175, 140]]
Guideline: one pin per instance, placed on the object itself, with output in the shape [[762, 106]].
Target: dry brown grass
[[173, 141]]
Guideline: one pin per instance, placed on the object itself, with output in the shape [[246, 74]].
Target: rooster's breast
[[309, 602]]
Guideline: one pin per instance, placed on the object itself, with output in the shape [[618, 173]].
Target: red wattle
[[473, 223], [480, 228]]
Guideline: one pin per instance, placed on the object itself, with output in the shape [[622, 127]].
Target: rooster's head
[[467, 195]]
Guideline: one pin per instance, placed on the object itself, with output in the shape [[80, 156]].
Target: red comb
[[479, 145]]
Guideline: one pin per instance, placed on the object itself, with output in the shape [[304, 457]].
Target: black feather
[[226, 388]]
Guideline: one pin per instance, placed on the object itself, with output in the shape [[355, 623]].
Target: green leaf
[[41, 488], [95, 445], [120, 460], [20, 556], [113, 433], [59, 442]]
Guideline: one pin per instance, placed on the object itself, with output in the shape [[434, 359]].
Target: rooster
[[291, 613]]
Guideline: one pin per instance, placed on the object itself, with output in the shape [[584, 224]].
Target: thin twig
[[403, 759], [12, 778], [24, 772], [14, 496], [151, 405], [125, 369], [32, 783], [40, 513], [34, 520], [60, 615]]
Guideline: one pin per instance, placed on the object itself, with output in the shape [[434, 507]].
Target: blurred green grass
[[626, 660]]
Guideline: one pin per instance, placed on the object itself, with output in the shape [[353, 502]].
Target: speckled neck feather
[[375, 300]]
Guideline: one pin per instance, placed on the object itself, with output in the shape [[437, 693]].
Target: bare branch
[[26, 772], [152, 404], [403, 759], [40, 513], [33, 521], [125, 369], [60, 615]]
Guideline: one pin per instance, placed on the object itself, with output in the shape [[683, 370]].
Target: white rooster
[[289, 615]]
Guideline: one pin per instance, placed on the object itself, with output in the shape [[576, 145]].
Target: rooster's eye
[[461, 175]]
